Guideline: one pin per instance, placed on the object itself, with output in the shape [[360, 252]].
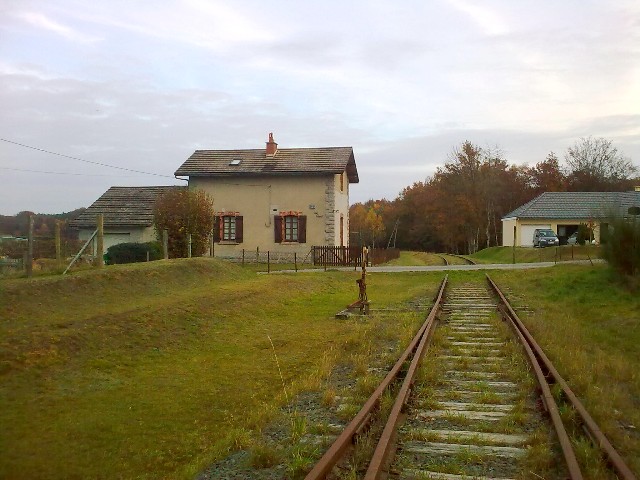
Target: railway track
[[467, 404], [447, 261]]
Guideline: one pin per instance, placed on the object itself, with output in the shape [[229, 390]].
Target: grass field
[[589, 325], [156, 370], [532, 255]]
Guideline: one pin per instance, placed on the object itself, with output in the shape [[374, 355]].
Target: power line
[[63, 173], [83, 160]]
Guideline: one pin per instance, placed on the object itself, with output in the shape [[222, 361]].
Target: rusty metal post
[[268, 262], [295, 261], [243, 257], [257, 255]]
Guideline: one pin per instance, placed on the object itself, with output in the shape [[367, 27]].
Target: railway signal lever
[[362, 303]]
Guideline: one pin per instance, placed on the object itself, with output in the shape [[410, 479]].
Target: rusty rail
[[444, 259], [539, 360], [339, 447]]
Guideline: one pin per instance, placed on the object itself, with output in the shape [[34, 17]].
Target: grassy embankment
[[156, 370], [589, 325], [532, 255]]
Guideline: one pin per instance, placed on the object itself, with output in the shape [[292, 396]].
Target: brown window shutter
[[302, 229], [277, 228], [216, 229], [239, 229]]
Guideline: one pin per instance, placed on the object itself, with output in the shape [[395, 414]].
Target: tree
[[374, 224], [596, 165], [547, 176], [182, 211]]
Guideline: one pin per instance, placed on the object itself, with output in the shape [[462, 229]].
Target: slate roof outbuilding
[[576, 205], [123, 207], [285, 162]]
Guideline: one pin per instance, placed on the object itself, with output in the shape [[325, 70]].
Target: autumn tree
[[594, 164], [182, 211], [547, 176]]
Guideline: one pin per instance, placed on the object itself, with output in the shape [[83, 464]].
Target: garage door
[[114, 239], [526, 234]]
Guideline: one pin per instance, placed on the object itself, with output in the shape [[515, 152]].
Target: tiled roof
[[286, 161], [578, 205], [123, 206]]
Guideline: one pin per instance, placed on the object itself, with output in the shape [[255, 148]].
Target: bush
[[133, 252], [182, 211], [622, 249]]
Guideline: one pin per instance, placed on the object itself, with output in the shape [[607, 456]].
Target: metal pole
[[514, 244], [188, 245], [243, 257], [295, 261], [268, 262], [257, 255]]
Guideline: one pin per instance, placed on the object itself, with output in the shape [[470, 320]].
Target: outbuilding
[[563, 212]]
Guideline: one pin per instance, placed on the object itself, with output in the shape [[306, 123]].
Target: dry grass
[[96, 364]]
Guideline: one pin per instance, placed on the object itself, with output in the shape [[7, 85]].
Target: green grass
[[532, 255], [157, 370], [408, 258], [589, 326]]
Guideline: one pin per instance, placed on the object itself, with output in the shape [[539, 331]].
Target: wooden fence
[[344, 256]]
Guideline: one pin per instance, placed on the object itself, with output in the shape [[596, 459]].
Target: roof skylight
[[235, 162]]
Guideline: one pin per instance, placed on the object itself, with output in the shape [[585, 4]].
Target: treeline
[[43, 224], [459, 209]]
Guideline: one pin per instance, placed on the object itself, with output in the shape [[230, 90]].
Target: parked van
[[545, 237]]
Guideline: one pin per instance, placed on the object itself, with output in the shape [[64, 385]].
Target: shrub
[[133, 252], [622, 249], [183, 211]]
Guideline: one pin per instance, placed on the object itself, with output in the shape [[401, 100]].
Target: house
[[563, 212], [282, 200], [128, 215]]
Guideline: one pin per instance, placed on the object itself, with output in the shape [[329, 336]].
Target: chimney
[[272, 147]]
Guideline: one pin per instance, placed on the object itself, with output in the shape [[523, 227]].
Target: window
[[290, 227], [227, 227]]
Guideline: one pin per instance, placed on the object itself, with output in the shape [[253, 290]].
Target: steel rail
[[385, 443], [444, 259], [339, 447], [613, 457]]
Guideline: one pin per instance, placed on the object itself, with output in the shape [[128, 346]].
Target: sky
[[141, 85]]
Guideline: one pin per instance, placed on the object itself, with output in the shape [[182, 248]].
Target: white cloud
[[39, 20]]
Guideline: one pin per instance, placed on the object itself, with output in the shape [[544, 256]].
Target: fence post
[[211, 246], [514, 245], [257, 255], [99, 260], [572, 251], [188, 245], [58, 249], [268, 262], [295, 261], [29, 260], [147, 255], [243, 257], [165, 243]]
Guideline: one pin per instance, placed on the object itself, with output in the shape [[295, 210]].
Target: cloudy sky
[[141, 85]]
